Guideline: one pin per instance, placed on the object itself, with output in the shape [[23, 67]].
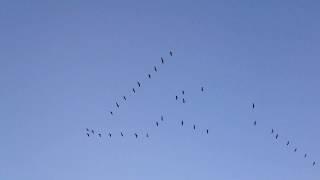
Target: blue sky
[[64, 64]]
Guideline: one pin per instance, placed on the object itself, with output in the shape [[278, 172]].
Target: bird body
[[255, 123], [155, 68], [170, 53], [277, 136], [194, 127], [288, 143], [133, 90], [162, 61], [139, 84], [110, 135], [117, 105], [149, 76], [136, 135], [157, 124], [88, 134], [125, 98], [181, 123], [207, 131]]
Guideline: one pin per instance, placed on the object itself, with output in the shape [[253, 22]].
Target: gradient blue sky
[[63, 64]]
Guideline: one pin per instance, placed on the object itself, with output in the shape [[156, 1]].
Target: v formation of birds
[[180, 98]]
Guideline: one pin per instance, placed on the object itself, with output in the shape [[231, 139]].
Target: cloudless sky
[[64, 64]]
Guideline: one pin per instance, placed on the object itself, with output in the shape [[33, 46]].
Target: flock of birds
[[92, 132]]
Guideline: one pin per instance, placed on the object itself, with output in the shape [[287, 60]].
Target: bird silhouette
[[121, 134], [92, 131], [181, 123], [117, 105], [194, 127], [288, 143], [252, 105], [202, 89], [87, 129], [155, 68], [139, 84], [183, 100], [149, 76], [176, 97], [88, 134], [147, 135], [136, 135], [255, 123], [157, 124], [109, 135], [305, 155], [314, 163], [295, 150], [207, 131], [162, 61], [272, 131], [111, 112], [170, 53], [125, 98], [277, 136], [183, 92], [99, 135], [133, 90]]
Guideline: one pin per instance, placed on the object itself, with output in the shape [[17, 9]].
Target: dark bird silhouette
[[314, 163], [157, 124], [305, 155], [183, 100], [149, 76], [87, 129], [288, 143], [155, 68], [110, 135], [207, 131], [171, 53], [147, 135], [161, 118], [117, 105], [139, 84], [272, 131], [99, 135], [88, 134], [255, 123], [162, 61], [183, 92], [133, 90], [121, 134], [181, 123], [277, 136], [295, 150], [194, 127], [111, 112], [176, 97], [252, 105], [136, 135], [92, 131], [125, 98], [202, 89]]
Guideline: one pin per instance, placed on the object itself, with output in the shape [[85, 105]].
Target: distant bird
[[171, 53], [288, 143], [99, 135], [252, 105], [117, 105], [155, 68], [183, 100], [111, 112], [183, 92], [314, 163], [157, 124], [136, 135], [149, 76], [272, 131], [88, 134], [202, 89], [305, 155], [181, 123], [92, 131], [162, 61], [139, 84], [110, 135], [147, 135], [277, 136], [255, 123], [176, 97], [295, 150], [207, 131], [125, 98], [161, 118], [194, 127], [133, 90], [121, 134], [87, 129]]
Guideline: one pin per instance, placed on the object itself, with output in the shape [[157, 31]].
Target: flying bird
[[149, 76], [162, 61], [161, 118], [295, 150], [87, 129], [314, 163], [110, 135], [288, 143], [305, 155], [157, 123], [147, 135], [202, 89], [183, 100], [139, 84], [194, 127], [136, 135], [252, 105], [277, 136], [272, 131], [117, 105], [183, 92], [121, 134], [133, 90], [171, 53], [181, 123], [155, 68], [255, 123], [92, 131], [111, 112], [125, 98], [207, 131], [176, 97], [88, 134], [99, 135]]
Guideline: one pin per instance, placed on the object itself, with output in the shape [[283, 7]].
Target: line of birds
[[139, 84], [276, 136]]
